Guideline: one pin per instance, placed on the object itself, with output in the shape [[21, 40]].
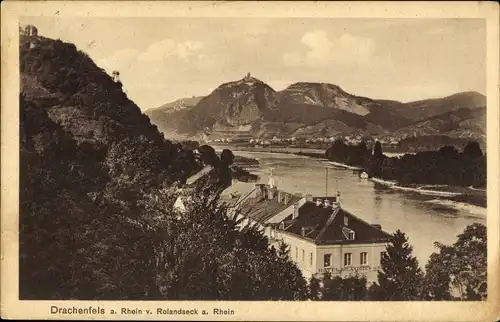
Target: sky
[[164, 59]]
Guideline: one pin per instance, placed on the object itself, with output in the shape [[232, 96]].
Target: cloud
[[152, 70], [163, 52], [320, 50]]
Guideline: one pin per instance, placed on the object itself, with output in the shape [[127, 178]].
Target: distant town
[[302, 142]]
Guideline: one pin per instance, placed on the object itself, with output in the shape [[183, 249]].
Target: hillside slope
[[424, 109], [463, 123], [93, 109], [97, 190], [250, 108], [89, 158]]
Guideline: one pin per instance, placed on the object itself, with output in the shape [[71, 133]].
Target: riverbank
[[345, 166], [451, 196], [462, 196]]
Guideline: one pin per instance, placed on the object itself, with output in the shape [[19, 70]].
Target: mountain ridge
[[302, 108]]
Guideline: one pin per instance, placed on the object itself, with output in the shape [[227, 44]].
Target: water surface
[[422, 218]]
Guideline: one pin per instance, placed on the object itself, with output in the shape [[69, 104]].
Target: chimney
[[319, 202], [327, 203], [280, 196], [270, 193], [295, 209], [309, 197], [338, 197], [257, 190], [286, 198]]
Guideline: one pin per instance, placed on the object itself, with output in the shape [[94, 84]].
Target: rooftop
[[262, 207], [236, 192], [328, 225], [195, 177]]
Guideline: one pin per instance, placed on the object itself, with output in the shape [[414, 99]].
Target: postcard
[[284, 161]]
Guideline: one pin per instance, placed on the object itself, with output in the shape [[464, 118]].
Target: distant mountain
[[466, 123], [176, 105], [250, 108], [331, 99], [424, 109]]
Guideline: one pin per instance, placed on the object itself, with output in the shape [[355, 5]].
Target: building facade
[[325, 238], [321, 235]]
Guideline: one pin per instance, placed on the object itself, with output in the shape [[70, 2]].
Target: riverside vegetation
[[97, 222]]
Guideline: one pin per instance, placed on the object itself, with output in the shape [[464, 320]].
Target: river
[[424, 219]]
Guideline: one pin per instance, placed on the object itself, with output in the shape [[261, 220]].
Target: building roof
[[195, 177], [237, 192], [261, 208], [325, 225]]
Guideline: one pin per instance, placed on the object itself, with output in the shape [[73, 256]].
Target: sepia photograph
[[229, 158]]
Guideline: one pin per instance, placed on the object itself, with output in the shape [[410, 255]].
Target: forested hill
[[97, 188], [92, 108], [89, 161]]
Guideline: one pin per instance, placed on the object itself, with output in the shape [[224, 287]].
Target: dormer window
[[351, 235], [346, 221], [282, 225]]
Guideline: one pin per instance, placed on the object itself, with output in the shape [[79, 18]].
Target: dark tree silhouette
[[227, 157], [461, 267], [208, 155], [377, 151], [400, 277], [472, 150]]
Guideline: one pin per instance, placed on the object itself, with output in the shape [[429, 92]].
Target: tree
[[448, 151], [314, 288], [227, 157], [208, 155], [352, 288], [460, 268], [400, 277], [437, 280], [472, 150], [377, 151]]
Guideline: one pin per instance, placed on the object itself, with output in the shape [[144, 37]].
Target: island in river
[[446, 194], [425, 219]]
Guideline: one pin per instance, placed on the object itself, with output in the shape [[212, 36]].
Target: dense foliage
[[98, 184], [447, 166], [336, 288], [400, 277], [92, 108], [460, 267]]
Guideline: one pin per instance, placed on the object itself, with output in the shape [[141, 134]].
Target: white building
[[325, 238], [322, 236]]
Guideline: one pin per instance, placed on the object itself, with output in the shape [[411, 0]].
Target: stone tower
[[30, 31]]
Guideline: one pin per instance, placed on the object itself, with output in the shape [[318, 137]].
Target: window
[[347, 259], [303, 256], [327, 260], [282, 225], [382, 255], [351, 235], [363, 259], [311, 259]]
